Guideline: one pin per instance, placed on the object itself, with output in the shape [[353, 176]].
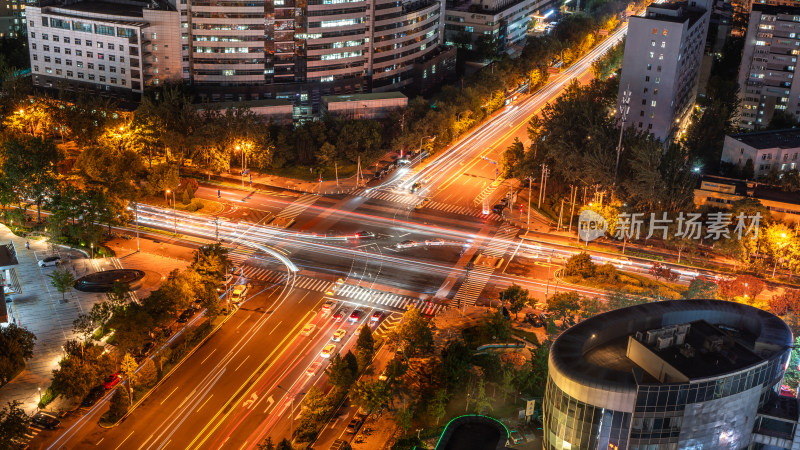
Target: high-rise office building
[[282, 49], [12, 17], [769, 59], [680, 374], [661, 65], [501, 25]]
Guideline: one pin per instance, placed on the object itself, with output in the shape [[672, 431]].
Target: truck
[[239, 293]]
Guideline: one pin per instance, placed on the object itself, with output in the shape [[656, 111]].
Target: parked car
[[112, 380], [355, 316], [308, 329], [44, 420], [50, 261], [313, 368], [328, 351], [339, 335], [93, 396], [361, 414], [354, 425]]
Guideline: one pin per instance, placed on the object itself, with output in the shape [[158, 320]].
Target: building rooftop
[[362, 97], [8, 255], [781, 407], [674, 12], [745, 188], [788, 138], [589, 352], [109, 8], [775, 9]]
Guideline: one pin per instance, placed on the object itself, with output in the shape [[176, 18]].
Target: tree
[[83, 368], [266, 444], [62, 279], [84, 326], [314, 410], [211, 262], [415, 334], [456, 359], [285, 444], [511, 159], [118, 295], [658, 271], [619, 299], [147, 375], [701, 287], [563, 304], [482, 403], [30, 165], [516, 297], [14, 425], [495, 326], [16, 347], [119, 405], [580, 265], [538, 375], [438, 406], [365, 347], [101, 314], [370, 395], [342, 372], [743, 286], [128, 368], [590, 307]]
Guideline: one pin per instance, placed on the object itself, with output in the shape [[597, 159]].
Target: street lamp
[[174, 213], [624, 108], [291, 399], [40, 397], [91, 245]]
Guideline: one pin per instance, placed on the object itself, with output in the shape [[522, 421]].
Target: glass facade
[[659, 413], [572, 424]]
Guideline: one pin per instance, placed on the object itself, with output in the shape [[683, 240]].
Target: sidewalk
[[39, 308]]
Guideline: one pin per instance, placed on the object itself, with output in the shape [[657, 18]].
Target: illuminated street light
[[174, 213]]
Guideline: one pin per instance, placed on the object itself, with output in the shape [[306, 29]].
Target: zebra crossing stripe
[[298, 206]]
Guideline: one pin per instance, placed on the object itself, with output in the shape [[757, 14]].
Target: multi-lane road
[[376, 249]]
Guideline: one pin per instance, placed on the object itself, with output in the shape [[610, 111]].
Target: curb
[[166, 376]]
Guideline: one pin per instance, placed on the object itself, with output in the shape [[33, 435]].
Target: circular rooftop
[[588, 354], [104, 281]]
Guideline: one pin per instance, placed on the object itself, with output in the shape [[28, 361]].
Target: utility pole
[[336, 169], [624, 108], [136, 217], [561, 211], [572, 197], [543, 185], [530, 190], [359, 177]]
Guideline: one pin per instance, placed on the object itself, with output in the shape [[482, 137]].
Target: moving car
[[308, 329], [338, 316], [339, 335], [328, 351], [406, 244], [498, 209], [354, 425], [365, 234], [93, 396], [50, 261], [382, 376], [112, 380], [328, 306], [376, 316], [422, 204], [313, 368], [415, 187], [239, 293], [355, 316], [43, 420]]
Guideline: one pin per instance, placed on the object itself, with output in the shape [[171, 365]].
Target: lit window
[[653, 103]]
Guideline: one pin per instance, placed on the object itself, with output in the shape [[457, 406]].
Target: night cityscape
[[399, 224]]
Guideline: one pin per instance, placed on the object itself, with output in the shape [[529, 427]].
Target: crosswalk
[[298, 206], [455, 209], [274, 276], [472, 287], [487, 191], [405, 199], [498, 245], [382, 299]]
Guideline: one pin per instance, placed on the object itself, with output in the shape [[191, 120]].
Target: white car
[[50, 261], [308, 329], [328, 351], [406, 244]]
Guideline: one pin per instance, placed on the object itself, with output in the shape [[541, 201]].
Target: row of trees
[[16, 347], [85, 363]]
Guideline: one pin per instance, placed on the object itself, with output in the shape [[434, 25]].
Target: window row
[[82, 76], [79, 64]]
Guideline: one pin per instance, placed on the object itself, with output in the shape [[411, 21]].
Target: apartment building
[[12, 18], [776, 150], [766, 74], [299, 51], [663, 54], [112, 48], [503, 23]]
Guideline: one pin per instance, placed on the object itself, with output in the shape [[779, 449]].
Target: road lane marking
[[276, 327], [240, 364], [209, 356], [204, 403], [98, 442], [145, 442], [170, 394], [243, 445], [271, 402], [187, 398], [123, 441]]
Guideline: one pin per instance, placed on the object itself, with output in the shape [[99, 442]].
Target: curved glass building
[[685, 374]]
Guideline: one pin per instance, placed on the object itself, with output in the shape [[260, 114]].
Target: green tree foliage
[[101, 314], [564, 304], [414, 334], [30, 166], [365, 347], [455, 366], [211, 262], [496, 327], [81, 369], [701, 287], [315, 410], [483, 404], [580, 265], [62, 279], [609, 62], [120, 402], [16, 347], [84, 326], [148, 375], [516, 297], [511, 159], [342, 372], [13, 425], [370, 395], [128, 368]]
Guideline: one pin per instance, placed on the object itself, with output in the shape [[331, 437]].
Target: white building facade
[[774, 150], [661, 65], [504, 22], [103, 47]]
